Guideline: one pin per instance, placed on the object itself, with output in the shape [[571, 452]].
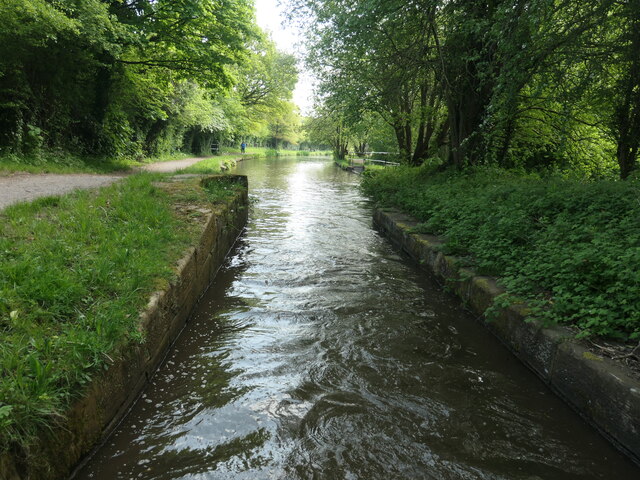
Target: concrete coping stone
[[602, 391]]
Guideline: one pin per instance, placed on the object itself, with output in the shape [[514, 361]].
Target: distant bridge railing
[[363, 159], [381, 162]]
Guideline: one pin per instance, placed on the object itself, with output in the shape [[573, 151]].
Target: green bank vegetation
[[533, 84], [75, 272], [228, 161], [569, 248], [94, 85], [254, 151]]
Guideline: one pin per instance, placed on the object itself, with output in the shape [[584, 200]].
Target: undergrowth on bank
[[75, 271], [222, 190], [569, 248], [212, 165], [273, 152], [343, 162], [228, 160]]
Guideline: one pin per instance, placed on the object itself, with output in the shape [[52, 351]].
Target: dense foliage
[[138, 77], [570, 249], [550, 84]]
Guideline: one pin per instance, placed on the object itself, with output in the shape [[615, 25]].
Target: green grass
[[48, 162], [226, 161], [222, 190], [342, 162], [569, 248], [372, 167], [75, 271], [316, 153], [212, 165], [52, 162], [271, 152]]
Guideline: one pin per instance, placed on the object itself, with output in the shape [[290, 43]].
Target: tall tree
[[376, 56], [68, 66], [499, 81]]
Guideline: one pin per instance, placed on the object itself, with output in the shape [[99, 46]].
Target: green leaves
[[570, 249], [195, 38], [376, 57], [112, 77], [536, 84]]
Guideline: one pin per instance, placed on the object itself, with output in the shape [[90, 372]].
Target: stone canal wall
[[111, 394], [603, 392]]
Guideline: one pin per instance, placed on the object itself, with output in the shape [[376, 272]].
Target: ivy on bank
[[570, 249]]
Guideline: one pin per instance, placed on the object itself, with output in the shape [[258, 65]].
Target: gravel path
[[22, 187], [25, 187], [166, 167]]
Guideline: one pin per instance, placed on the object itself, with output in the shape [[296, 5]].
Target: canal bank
[[319, 352], [357, 169], [111, 393], [603, 392]]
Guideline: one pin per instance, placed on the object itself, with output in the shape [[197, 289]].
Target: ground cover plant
[[569, 248], [343, 162], [211, 165], [75, 271]]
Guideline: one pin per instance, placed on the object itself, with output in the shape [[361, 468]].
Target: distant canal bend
[[319, 353]]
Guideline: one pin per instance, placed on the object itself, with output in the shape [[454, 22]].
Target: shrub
[[571, 249]]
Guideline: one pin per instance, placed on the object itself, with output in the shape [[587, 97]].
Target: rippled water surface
[[319, 353]]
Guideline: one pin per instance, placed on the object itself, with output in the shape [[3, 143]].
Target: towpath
[[22, 187]]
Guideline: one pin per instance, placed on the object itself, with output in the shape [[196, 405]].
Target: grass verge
[[272, 152], [212, 165], [570, 249], [75, 271], [342, 162], [226, 161]]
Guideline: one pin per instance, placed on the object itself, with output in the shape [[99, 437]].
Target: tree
[[108, 76], [375, 56], [267, 77], [327, 127], [263, 91], [624, 89], [497, 81], [284, 126]]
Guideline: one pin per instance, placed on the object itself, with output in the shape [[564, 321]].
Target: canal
[[320, 353]]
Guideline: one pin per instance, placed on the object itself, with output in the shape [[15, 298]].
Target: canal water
[[320, 353]]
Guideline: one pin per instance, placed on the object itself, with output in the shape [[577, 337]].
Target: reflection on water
[[319, 353]]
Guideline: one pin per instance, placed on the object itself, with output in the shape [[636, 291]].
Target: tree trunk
[[628, 113], [427, 125], [153, 134], [506, 143], [627, 156], [401, 137], [465, 118]]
